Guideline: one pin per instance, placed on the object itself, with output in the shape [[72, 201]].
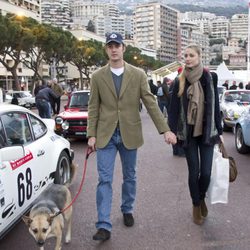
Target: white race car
[[32, 157]]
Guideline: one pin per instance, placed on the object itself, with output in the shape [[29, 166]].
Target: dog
[[44, 222]]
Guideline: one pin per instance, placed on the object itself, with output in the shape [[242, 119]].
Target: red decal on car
[[18, 163]]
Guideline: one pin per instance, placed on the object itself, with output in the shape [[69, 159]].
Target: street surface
[[163, 211]]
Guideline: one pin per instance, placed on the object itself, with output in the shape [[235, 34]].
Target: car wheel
[[63, 170], [241, 147]]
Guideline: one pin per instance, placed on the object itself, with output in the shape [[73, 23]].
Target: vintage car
[[24, 98], [242, 133], [72, 122], [32, 157], [233, 104]]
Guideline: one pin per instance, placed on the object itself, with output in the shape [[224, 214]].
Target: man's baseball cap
[[114, 37]]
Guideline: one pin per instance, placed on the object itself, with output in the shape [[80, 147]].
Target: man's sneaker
[[102, 234], [128, 220]]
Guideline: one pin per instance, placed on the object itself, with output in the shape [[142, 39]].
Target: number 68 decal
[[24, 185]]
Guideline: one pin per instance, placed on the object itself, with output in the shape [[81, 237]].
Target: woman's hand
[[170, 138]]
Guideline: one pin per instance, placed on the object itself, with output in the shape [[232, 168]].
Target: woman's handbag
[[219, 182], [232, 164]]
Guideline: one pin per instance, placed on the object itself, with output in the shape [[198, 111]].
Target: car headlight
[[59, 120], [230, 113], [65, 125]]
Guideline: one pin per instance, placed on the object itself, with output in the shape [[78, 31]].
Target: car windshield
[[221, 89], [237, 96], [79, 100]]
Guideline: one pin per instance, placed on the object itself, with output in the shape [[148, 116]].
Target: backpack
[[160, 91]]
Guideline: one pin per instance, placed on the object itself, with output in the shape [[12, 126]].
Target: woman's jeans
[[105, 166], [199, 159]]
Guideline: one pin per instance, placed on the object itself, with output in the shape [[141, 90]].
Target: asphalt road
[[163, 208]]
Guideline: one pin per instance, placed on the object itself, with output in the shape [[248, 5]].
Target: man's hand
[[170, 138], [91, 143]]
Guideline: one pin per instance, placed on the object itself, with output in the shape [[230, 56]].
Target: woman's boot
[[197, 218], [204, 210]]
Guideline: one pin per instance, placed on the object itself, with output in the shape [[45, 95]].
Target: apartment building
[[106, 24], [156, 27], [239, 26], [220, 27], [191, 34], [27, 8], [56, 13]]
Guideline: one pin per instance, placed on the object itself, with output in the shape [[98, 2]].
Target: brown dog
[[43, 221]]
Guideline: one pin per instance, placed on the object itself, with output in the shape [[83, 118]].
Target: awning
[[167, 69]]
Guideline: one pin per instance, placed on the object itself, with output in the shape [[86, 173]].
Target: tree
[[16, 38], [85, 54]]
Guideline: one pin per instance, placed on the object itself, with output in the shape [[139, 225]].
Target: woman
[[195, 118]]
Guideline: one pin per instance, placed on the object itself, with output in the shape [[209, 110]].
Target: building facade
[[156, 27], [56, 13]]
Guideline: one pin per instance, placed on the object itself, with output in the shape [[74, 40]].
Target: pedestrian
[[226, 84], [177, 148], [162, 94], [14, 99], [43, 101], [153, 87], [241, 86], [195, 118], [39, 85], [59, 92], [247, 85], [114, 125], [233, 86]]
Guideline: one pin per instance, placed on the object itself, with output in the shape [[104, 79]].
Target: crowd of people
[[235, 86]]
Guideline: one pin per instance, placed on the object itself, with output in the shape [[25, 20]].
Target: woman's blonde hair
[[197, 49]]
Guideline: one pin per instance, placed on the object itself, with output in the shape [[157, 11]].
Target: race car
[[32, 157]]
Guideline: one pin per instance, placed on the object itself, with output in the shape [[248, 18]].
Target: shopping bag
[[219, 182], [233, 172]]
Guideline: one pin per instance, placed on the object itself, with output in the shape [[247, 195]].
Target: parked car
[[24, 98], [72, 122], [32, 157], [242, 133], [233, 104]]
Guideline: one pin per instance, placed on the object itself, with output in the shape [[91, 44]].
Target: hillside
[[219, 11]]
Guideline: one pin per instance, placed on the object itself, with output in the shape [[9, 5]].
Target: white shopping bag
[[219, 183]]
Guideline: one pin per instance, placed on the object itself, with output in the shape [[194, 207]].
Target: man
[[59, 92], [114, 124], [233, 86], [163, 95], [247, 85], [43, 98], [226, 84]]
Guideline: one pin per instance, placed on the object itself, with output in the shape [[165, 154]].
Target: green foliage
[[133, 56], [27, 41]]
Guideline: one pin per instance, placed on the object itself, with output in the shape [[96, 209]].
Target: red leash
[[88, 153]]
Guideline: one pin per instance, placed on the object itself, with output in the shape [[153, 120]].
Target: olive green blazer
[[106, 109]]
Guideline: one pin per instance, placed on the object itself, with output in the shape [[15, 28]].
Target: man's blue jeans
[[105, 166], [199, 159], [44, 108]]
